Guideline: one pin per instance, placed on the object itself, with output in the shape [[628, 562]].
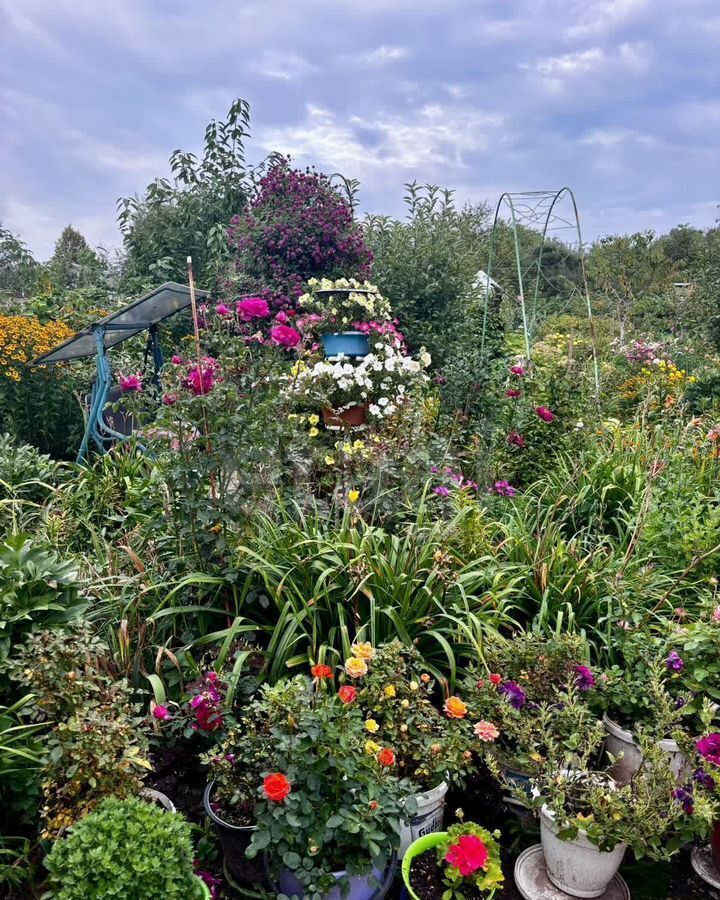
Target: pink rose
[[252, 308], [285, 336]]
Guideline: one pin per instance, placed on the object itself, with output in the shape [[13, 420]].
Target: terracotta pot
[[715, 844], [352, 417]]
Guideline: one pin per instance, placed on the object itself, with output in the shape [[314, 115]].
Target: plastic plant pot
[[352, 344], [234, 840], [417, 848]]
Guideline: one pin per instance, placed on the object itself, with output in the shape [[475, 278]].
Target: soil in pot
[[179, 774], [426, 878]]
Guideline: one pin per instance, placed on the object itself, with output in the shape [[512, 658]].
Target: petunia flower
[[515, 694], [584, 678]]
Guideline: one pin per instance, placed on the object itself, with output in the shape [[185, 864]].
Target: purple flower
[[674, 663], [584, 678], [704, 780], [515, 694], [442, 491], [709, 748], [504, 489], [685, 798]]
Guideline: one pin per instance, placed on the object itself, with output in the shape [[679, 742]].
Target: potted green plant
[[338, 310], [431, 742], [125, 848], [330, 804], [461, 863]]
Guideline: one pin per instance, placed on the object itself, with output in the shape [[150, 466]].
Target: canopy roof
[[137, 316]]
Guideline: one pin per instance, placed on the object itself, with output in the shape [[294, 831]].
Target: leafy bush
[[126, 848]]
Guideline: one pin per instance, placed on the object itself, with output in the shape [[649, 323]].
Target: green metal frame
[[539, 210]]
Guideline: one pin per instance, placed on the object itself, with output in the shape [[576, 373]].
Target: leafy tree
[[19, 271], [73, 264], [633, 275], [188, 214], [684, 248]]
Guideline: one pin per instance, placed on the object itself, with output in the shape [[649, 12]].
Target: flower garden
[[357, 610]]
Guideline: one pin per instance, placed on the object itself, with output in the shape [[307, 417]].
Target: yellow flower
[[313, 432], [535, 757], [390, 691], [353, 496], [347, 448], [363, 650], [371, 748], [329, 460], [405, 704], [313, 419], [371, 725], [358, 445], [355, 667], [413, 685]]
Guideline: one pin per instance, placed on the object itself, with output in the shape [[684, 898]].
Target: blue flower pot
[[347, 343]]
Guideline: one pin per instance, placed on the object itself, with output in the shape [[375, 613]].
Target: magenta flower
[[442, 491], [161, 712], [685, 798], [516, 440], [504, 489], [709, 748], [131, 383], [177, 360], [252, 308], [169, 399], [282, 318], [674, 663], [584, 678], [201, 379], [513, 393], [517, 370], [285, 336], [544, 413], [222, 309]]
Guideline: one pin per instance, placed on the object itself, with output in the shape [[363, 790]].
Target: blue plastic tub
[[347, 343]]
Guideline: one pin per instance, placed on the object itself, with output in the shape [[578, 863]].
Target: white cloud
[[558, 71], [597, 18], [384, 54], [283, 65]]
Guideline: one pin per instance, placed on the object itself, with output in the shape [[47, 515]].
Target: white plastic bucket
[[429, 817], [577, 867]]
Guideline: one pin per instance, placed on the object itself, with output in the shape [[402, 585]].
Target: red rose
[[468, 855], [495, 678], [276, 787], [321, 671], [347, 693], [386, 757]]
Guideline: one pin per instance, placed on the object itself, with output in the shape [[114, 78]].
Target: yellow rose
[[355, 667], [371, 748], [371, 725], [405, 704], [363, 650], [413, 685], [390, 691]]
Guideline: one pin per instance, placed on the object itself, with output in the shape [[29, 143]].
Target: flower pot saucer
[[531, 879], [704, 865]]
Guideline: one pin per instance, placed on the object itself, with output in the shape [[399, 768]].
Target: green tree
[[19, 271], [188, 214], [74, 264]]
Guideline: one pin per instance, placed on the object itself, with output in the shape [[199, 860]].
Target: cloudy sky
[[617, 98]]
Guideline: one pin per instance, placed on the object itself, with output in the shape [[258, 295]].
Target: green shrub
[[127, 849]]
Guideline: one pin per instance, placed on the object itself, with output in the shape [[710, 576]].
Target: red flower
[[276, 787], [513, 393], [321, 671], [347, 693], [544, 413], [495, 678], [516, 440], [386, 757], [468, 855]]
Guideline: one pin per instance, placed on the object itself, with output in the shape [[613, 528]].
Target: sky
[[618, 99]]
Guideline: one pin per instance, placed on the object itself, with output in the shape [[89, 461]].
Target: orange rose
[[276, 787], [455, 708], [321, 671], [386, 757], [347, 693]]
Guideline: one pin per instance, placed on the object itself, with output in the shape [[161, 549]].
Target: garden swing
[[106, 425]]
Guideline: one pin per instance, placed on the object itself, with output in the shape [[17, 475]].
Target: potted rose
[[338, 310], [431, 745], [461, 863], [330, 805]]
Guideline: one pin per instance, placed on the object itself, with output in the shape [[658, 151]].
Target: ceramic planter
[[577, 867], [361, 887], [234, 840], [158, 797], [352, 417], [346, 343], [427, 820], [619, 740], [417, 848]]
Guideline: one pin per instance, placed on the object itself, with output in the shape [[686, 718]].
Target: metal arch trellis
[[541, 211]]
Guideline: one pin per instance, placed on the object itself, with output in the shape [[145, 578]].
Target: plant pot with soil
[[465, 859]]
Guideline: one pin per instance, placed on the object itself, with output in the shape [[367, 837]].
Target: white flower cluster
[[382, 379], [359, 299]]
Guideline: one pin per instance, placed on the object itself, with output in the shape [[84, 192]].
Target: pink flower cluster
[[504, 489], [207, 705]]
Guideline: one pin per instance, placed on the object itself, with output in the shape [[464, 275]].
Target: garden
[[388, 589]]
